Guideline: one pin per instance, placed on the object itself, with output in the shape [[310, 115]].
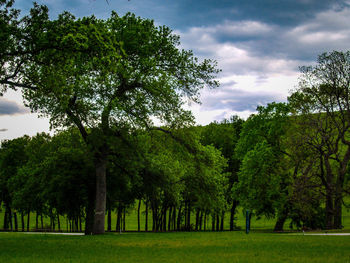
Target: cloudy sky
[[259, 45]]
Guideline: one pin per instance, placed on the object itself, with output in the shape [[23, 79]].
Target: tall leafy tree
[[99, 74], [322, 106], [265, 175]]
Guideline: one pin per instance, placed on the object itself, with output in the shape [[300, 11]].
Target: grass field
[[174, 247]]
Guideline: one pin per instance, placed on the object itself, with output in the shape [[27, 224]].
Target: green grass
[[174, 247]]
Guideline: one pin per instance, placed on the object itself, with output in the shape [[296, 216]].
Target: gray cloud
[[234, 99], [3, 130], [11, 108]]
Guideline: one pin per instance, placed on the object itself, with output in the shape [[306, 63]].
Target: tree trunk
[[178, 223], [119, 216], [37, 221], [100, 201], [146, 221], [201, 220], [329, 210], [222, 221], [170, 217], [197, 220], [338, 203], [42, 221], [281, 219], [232, 216], [15, 220], [213, 222], [22, 221], [188, 228], [89, 217], [28, 220], [58, 223], [217, 222], [124, 213], [138, 216], [109, 220]]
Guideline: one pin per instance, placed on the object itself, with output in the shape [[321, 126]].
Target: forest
[[105, 83]]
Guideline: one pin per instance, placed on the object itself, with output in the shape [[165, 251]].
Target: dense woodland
[[104, 82]]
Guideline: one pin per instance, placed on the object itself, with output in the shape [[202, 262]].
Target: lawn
[[174, 247]]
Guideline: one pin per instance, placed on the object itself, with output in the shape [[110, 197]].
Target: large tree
[[322, 106], [99, 75]]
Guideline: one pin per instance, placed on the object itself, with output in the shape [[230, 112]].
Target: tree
[[224, 137], [99, 74], [265, 173], [12, 157], [322, 106]]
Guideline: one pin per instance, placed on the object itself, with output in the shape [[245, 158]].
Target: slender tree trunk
[[138, 216], [201, 220], [28, 220], [213, 222], [37, 221], [170, 217], [232, 215], [42, 221], [109, 220], [15, 220], [119, 216], [189, 217], [178, 223], [222, 221], [124, 213], [101, 189], [205, 220], [174, 218], [58, 223], [146, 221], [217, 222], [22, 221], [197, 220]]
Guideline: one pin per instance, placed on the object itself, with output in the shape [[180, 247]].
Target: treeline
[[182, 178]]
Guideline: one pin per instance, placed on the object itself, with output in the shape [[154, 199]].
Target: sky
[[258, 44]]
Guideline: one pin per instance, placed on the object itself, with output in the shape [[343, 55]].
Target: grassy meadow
[[174, 247]]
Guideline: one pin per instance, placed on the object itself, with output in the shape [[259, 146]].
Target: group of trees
[[53, 177], [106, 82]]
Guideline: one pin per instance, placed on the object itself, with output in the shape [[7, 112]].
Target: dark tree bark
[[22, 221], [197, 220], [89, 216], [42, 221], [28, 220], [119, 216], [138, 216], [15, 220], [213, 222], [222, 221], [217, 222], [37, 221], [178, 223], [146, 220], [281, 219], [205, 220], [201, 220], [101, 189], [232, 215], [124, 222], [109, 220], [58, 223]]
